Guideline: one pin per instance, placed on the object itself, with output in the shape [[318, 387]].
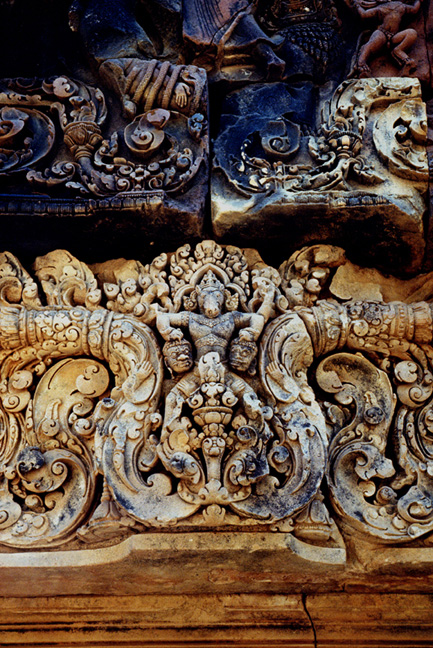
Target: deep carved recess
[[208, 389]]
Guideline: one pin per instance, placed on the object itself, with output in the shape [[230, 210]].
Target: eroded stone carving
[[371, 134], [339, 150], [157, 156], [152, 84], [116, 130], [74, 103], [208, 389], [223, 33], [26, 137]]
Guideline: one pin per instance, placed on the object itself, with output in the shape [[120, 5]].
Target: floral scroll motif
[[208, 389], [278, 158], [162, 149]]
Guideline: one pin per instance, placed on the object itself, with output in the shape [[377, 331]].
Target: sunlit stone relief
[[210, 390]]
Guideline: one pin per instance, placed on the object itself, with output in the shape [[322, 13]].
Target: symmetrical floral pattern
[[209, 389]]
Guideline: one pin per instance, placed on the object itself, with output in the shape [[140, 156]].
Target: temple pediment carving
[[216, 323]]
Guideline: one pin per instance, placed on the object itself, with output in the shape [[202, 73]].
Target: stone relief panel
[[389, 34], [315, 123], [365, 153], [210, 390], [59, 140]]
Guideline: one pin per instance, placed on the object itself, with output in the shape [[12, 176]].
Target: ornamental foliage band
[[208, 389]]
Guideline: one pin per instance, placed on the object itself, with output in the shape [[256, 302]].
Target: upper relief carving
[[209, 389], [147, 152], [389, 33], [363, 152], [340, 155], [226, 34], [123, 130], [163, 149]]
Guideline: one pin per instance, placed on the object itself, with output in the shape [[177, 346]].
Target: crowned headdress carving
[[169, 282]]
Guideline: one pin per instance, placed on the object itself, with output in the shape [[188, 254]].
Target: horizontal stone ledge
[[199, 620], [172, 562]]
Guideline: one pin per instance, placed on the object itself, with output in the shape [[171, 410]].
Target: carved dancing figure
[[388, 34]]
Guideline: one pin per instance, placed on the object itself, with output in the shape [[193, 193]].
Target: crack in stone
[[304, 604]]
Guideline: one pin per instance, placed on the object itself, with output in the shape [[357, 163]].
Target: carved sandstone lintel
[[268, 390], [155, 159]]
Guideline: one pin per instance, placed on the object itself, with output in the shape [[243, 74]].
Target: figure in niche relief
[[211, 330], [388, 34], [213, 29]]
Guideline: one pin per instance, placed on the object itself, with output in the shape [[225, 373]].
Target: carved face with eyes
[[210, 296], [210, 303], [242, 353], [178, 356]]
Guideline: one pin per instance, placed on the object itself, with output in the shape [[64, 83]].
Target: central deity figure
[[210, 390], [212, 330]]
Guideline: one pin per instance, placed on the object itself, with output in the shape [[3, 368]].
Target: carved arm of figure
[[268, 292], [395, 8], [258, 320], [413, 9], [168, 325], [364, 13]]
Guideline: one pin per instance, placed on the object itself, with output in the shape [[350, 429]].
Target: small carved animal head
[[210, 295]]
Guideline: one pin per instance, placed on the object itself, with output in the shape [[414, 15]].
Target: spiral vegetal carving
[[199, 390]]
